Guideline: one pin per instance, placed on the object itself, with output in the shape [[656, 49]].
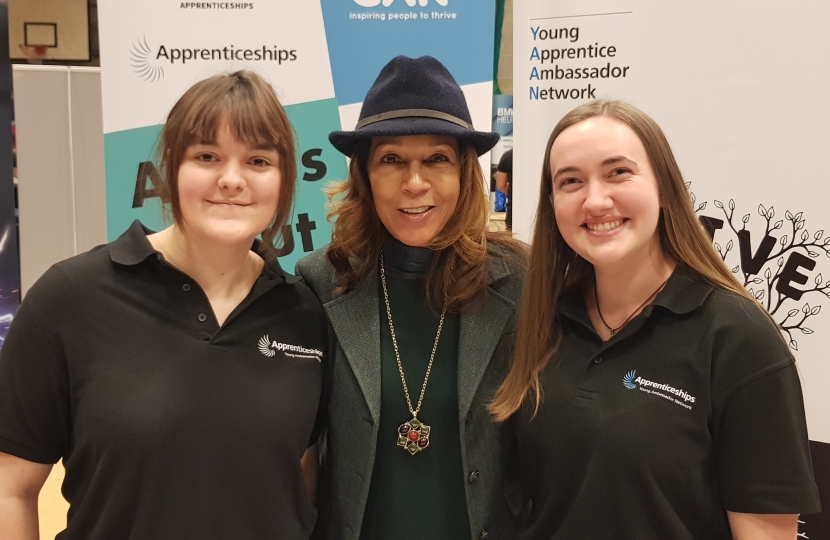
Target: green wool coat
[[495, 503]]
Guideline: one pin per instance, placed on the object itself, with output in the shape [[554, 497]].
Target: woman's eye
[[620, 172], [206, 158], [567, 182], [438, 158], [389, 158], [260, 162]]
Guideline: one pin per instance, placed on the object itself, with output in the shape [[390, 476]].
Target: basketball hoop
[[34, 53]]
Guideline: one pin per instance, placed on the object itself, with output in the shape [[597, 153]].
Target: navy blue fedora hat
[[414, 96]]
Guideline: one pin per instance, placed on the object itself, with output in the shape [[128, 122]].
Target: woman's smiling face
[[416, 181], [605, 195]]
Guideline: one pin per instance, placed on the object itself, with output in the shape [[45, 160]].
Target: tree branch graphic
[[772, 269]]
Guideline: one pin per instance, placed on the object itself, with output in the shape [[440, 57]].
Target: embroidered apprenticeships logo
[[270, 348], [628, 380], [632, 382]]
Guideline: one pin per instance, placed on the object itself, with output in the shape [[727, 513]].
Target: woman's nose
[[597, 196], [415, 180]]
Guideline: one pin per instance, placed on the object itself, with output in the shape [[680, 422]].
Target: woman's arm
[[763, 526], [309, 464], [20, 483]]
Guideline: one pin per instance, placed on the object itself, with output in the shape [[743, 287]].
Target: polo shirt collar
[[684, 292], [133, 248]]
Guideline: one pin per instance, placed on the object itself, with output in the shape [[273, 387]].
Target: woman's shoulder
[[506, 267], [317, 272]]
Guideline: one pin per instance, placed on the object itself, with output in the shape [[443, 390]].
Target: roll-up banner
[[321, 56], [740, 90]]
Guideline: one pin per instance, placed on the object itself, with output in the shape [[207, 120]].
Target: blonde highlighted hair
[[556, 268]]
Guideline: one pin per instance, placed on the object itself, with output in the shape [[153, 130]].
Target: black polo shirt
[[169, 425], [693, 409]]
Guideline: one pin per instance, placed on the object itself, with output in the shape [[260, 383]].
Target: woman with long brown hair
[[176, 373], [422, 300], [651, 396]]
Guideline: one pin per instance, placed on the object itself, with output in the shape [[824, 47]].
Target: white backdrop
[[740, 88]]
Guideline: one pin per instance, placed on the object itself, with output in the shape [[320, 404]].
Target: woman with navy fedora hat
[[423, 301]]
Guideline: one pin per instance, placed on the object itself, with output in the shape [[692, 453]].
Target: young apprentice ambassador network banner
[[320, 55], [740, 91]]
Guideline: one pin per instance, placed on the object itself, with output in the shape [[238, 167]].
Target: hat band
[[413, 113]]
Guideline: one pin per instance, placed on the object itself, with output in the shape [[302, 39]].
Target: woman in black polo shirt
[[177, 374], [422, 300], [658, 399]]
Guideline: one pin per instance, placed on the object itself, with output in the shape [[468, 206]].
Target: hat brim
[[347, 141]]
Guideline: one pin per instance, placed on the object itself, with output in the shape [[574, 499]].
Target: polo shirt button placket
[[186, 287], [473, 477], [202, 317], [598, 360]]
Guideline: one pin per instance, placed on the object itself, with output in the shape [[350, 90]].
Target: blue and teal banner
[[320, 55]]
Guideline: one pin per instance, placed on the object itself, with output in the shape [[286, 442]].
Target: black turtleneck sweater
[[421, 495]]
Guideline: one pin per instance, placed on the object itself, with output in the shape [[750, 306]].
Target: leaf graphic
[[759, 295], [792, 313], [731, 204], [780, 262], [757, 280], [805, 308], [778, 224], [819, 234], [815, 310], [805, 235], [794, 345], [717, 247], [818, 279], [812, 254], [798, 216], [702, 206], [729, 245], [735, 270], [788, 214], [799, 225], [761, 210], [745, 219], [767, 273], [719, 204], [806, 331], [783, 240], [771, 212]]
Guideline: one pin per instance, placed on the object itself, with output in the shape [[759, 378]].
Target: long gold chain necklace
[[413, 436]]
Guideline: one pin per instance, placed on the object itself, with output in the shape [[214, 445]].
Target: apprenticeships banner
[[739, 91], [320, 55]]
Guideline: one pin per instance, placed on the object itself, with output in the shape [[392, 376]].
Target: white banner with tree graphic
[[739, 89]]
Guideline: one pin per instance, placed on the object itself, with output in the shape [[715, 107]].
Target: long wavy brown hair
[[457, 276], [555, 268], [255, 116]]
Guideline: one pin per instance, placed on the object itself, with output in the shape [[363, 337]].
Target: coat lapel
[[356, 321], [480, 334]]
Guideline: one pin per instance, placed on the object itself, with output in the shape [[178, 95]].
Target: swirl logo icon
[[628, 380], [141, 60], [264, 346]]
